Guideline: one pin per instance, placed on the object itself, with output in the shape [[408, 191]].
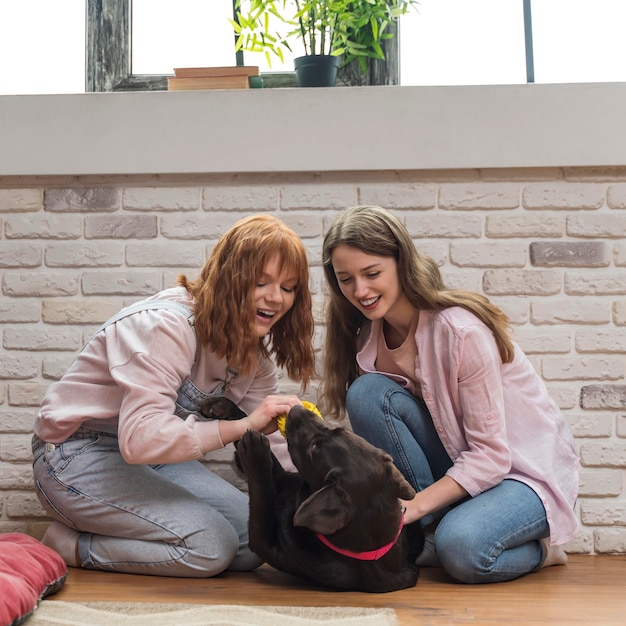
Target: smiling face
[[274, 295], [370, 283]]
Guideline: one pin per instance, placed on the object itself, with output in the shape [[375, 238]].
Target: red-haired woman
[[118, 440]]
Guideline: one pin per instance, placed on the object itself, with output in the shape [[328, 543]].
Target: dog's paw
[[254, 442], [219, 408], [253, 451]]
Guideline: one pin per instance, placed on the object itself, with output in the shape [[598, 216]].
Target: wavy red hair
[[224, 298]]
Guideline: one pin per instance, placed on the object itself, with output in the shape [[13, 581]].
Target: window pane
[[458, 42], [42, 46], [181, 33], [579, 41]]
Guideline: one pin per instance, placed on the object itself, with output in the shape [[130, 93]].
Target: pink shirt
[[495, 420], [126, 379]]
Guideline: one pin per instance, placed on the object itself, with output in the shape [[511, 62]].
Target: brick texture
[[544, 244]]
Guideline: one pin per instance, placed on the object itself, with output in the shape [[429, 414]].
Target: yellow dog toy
[[282, 419]]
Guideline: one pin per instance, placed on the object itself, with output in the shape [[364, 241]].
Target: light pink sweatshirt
[[495, 420], [125, 382]]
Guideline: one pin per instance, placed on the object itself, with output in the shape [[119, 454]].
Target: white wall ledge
[[337, 129]]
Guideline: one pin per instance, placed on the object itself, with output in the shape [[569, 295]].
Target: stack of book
[[235, 77]]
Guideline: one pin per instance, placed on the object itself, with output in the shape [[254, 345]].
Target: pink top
[[495, 420], [126, 379]]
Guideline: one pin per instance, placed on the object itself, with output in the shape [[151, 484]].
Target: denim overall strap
[[189, 397], [170, 305]]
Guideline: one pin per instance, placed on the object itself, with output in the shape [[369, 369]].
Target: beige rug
[[58, 613]]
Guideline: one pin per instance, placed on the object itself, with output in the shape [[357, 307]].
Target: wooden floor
[[589, 590]]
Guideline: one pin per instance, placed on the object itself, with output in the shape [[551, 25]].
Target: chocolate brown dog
[[338, 521]]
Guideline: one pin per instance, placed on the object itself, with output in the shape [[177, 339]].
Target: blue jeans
[[492, 537], [166, 520]]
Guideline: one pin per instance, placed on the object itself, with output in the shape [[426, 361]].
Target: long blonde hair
[[224, 298], [378, 232]]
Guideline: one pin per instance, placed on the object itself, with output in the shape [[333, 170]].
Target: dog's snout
[[294, 416], [301, 420], [296, 410]]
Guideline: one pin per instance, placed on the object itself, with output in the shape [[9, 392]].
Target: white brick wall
[[545, 244]]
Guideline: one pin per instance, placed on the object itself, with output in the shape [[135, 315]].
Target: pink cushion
[[29, 571]]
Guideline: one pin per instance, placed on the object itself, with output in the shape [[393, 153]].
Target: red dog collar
[[371, 555]]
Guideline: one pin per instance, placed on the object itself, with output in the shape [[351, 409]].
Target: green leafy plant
[[353, 29], [364, 26]]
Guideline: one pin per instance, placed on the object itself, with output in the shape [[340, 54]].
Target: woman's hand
[[441, 493], [411, 511], [263, 418]]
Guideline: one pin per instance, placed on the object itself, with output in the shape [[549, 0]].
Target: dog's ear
[[220, 408], [327, 510], [400, 486]]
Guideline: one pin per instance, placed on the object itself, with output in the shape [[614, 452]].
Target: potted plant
[[334, 32]]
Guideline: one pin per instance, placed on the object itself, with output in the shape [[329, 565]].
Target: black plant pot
[[316, 70]]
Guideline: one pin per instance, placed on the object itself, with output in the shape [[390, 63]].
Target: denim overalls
[[178, 519], [189, 396]]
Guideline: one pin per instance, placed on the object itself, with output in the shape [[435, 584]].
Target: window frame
[[108, 63], [108, 56], [108, 53]]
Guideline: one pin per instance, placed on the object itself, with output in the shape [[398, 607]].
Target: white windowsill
[[288, 130]]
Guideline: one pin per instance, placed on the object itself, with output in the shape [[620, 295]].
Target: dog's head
[[346, 475]]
